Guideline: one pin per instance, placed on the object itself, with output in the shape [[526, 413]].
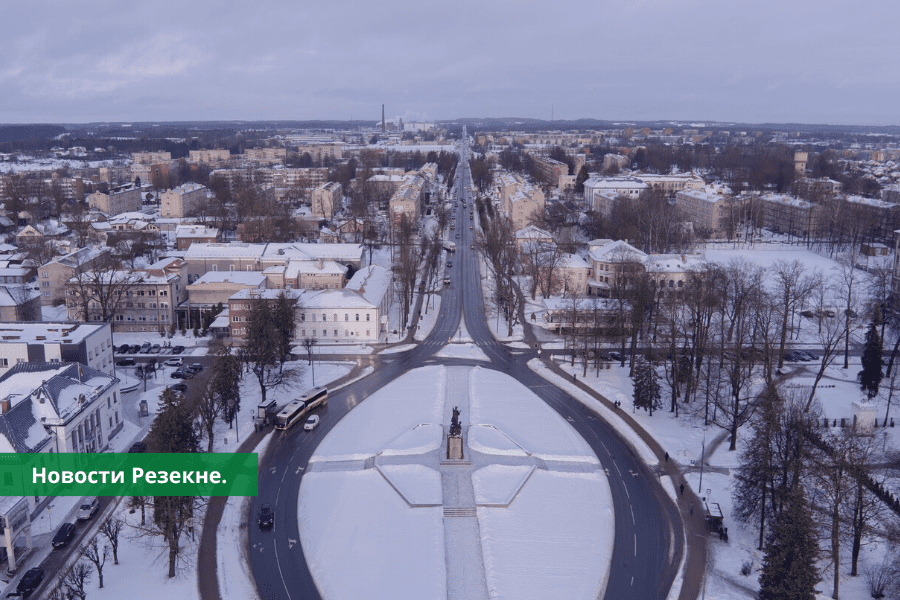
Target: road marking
[[273, 469], [570, 419], [633, 522], [297, 472], [635, 544], [617, 469], [607, 471], [291, 543], [633, 474]]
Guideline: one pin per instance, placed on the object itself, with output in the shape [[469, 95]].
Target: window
[[117, 416], [4, 362], [335, 316], [151, 293], [357, 316], [324, 333], [324, 317], [46, 294], [346, 317], [45, 284], [302, 317], [231, 267], [335, 333], [236, 319], [215, 267], [164, 305], [110, 422], [140, 293], [152, 305], [45, 274], [368, 317], [368, 334], [164, 292], [108, 403], [302, 333], [115, 398]]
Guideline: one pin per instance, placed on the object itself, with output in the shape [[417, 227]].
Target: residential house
[[183, 201]]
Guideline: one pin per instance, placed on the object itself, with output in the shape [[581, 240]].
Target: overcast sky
[[810, 61]]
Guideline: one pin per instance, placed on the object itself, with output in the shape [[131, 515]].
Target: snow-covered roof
[[532, 232], [312, 267], [46, 394], [371, 282], [55, 332], [254, 278], [616, 250]]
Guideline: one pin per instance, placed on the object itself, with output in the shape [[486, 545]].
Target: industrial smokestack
[[382, 119]]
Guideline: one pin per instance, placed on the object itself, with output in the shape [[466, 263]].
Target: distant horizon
[[684, 123]]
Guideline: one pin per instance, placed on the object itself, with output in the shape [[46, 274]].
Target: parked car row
[[145, 348], [186, 371], [66, 531]]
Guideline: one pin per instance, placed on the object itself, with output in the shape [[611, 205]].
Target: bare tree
[[498, 247], [792, 287], [830, 335], [97, 554], [847, 281], [76, 578], [100, 287], [111, 529]]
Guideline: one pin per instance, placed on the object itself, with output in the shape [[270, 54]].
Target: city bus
[[297, 409]]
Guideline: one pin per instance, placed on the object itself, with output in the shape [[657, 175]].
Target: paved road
[[649, 538]]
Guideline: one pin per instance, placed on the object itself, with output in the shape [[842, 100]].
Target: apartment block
[[182, 201], [126, 198], [148, 158], [208, 156], [325, 198], [56, 342]]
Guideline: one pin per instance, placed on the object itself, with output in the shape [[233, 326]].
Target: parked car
[[181, 374], [195, 368], [30, 581], [126, 362], [123, 349], [134, 349], [266, 517], [145, 349], [177, 349], [795, 356], [311, 423], [179, 387], [88, 509], [64, 535], [174, 362], [809, 355], [138, 447], [449, 264], [154, 349]]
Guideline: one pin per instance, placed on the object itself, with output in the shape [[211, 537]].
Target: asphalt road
[[649, 538]]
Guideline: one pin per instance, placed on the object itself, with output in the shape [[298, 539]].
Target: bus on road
[[295, 410]]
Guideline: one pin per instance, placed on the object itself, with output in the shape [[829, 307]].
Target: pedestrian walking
[[667, 457], [682, 489]]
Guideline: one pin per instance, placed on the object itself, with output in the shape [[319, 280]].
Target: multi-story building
[[239, 256], [55, 342], [148, 158], [610, 187], [879, 218], [265, 154], [126, 198], [182, 201], [19, 303], [791, 215], [407, 199], [146, 300], [58, 407], [520, 200], [185, 235], [714, 212], [551, 170], [325, 198], [54, 275], [208, 156]]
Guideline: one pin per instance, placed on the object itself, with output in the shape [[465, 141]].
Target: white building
[[60, 342]]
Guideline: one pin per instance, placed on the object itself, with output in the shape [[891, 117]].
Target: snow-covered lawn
[[523, 532]]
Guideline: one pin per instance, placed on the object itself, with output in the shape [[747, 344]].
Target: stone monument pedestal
[[454, 447]]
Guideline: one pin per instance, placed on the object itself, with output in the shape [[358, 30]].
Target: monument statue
[[455, 427]]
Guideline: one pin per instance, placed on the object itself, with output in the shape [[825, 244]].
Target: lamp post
[[702, 459]]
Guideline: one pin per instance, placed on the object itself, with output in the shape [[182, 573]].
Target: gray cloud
[[767, 60]]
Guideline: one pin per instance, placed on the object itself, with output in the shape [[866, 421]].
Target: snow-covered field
[[507, 543]]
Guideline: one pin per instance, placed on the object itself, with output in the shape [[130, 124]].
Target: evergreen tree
[[789, 567], [647, 393], [284, 317], [870, 377], [173, 431], [580, 179]]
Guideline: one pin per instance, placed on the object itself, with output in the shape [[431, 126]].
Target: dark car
[[809, 355], [64, 535], [177, 349], [180, 375], [134, 349], [123, 349], [30, 581], [266, 516], [126, 362], [195, 368], [138, 447], [179, 387]]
